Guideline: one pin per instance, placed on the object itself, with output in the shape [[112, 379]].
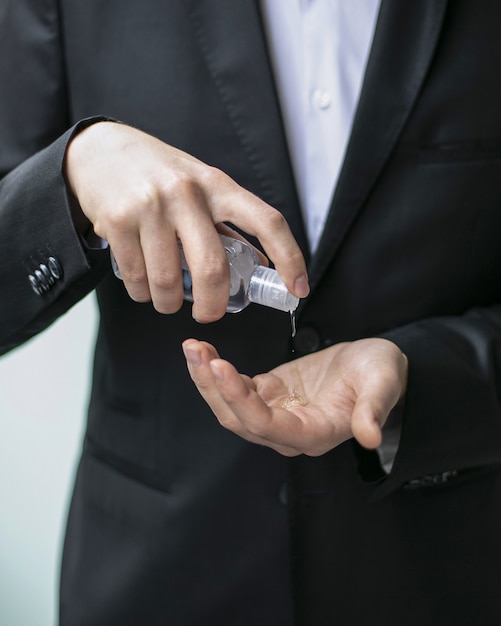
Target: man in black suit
[[175, 520]]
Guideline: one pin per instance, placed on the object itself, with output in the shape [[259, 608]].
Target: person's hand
[[142, 196], [307, 406]]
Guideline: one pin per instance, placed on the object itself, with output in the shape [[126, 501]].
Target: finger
[[239, 394], [281, 247], [198, 357], [366, 425], [379, 385], [208, 266], [179, 213], [160, 249], [371, 411], [199, 353], [131, 265], [245, 414], [258, 218], [224, 229], [254, 419]]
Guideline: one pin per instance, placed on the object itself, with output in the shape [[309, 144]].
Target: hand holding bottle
[[143, 196], [310, 405], [249, 280]]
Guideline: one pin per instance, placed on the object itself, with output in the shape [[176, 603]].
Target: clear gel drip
[[293, 323], [249, 281]]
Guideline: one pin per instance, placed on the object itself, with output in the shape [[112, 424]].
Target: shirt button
[[283, 495], [321, 99], [307, 340]]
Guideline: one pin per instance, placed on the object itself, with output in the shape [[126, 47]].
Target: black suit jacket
[[173, 520]]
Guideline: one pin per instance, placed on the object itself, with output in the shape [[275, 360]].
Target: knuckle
[[212, 272], [296, 257], [147, 195], [134, 277], [259, 429], [230, 422], [212, 178], [275, 219], [126, 212], [179, 185], [164, 281], [119, 219]]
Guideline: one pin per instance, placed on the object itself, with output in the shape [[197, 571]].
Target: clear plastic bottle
[[249, 281]]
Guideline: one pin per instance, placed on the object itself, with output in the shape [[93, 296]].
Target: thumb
[[379, 392], [366, 422]]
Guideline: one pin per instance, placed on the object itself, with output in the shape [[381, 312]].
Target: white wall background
[[43, 396]]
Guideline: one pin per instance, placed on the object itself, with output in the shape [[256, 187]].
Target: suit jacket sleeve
[[452, 419], [35, 217]]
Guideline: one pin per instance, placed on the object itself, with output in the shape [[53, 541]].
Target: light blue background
[[43, 396]]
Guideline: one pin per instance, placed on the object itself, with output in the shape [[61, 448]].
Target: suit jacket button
[[431, 480], [34, 285], [307, 340], [42, 280], [55, 267], [282, 494], [46, 272]]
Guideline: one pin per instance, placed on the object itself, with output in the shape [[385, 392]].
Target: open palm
[[307, 406]]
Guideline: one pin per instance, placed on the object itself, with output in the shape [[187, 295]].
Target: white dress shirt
[[319, 51]]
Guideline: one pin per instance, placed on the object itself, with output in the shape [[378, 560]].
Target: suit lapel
[[404, 42], [231, 38]]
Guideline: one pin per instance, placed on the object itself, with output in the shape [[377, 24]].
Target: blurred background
[[43, 397]]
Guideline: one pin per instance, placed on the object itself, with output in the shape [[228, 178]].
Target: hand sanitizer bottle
[[249, 281]]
